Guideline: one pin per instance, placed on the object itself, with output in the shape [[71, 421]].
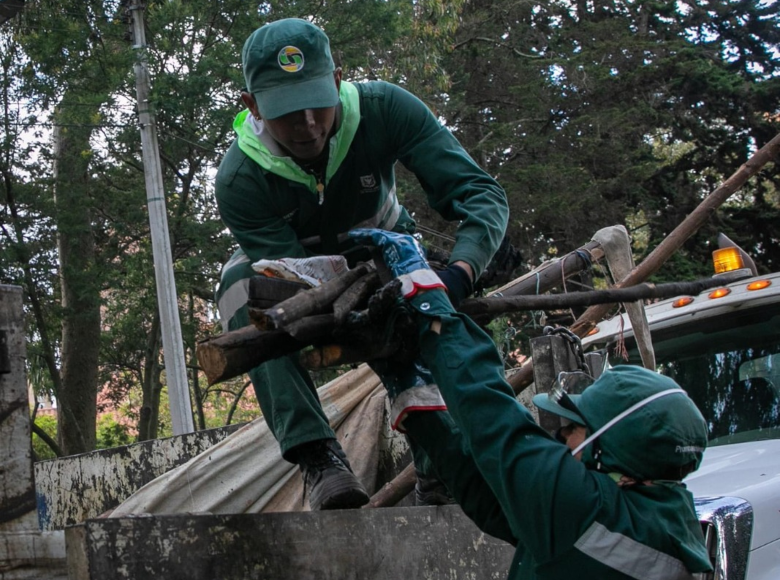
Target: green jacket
[[517, 483], [273, 208]]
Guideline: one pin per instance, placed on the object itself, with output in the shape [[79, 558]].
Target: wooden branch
[[550, 274], [330, 355], [497, 306], [311, 328], [354, 295], [394, 491], [314, 301]]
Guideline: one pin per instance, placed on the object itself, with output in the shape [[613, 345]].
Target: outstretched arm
[[533, 478]]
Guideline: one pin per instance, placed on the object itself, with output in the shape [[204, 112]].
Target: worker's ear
[[249, 102], [337, 78]]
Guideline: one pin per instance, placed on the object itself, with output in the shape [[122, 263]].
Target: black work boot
[[430, 491], [328, 480]]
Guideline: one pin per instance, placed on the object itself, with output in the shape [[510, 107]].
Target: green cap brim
[[317, 93], [545, 403]]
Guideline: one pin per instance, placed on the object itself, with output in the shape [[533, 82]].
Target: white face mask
[[612, 422]]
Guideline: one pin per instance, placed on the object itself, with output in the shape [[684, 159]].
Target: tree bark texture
[[80, 292]]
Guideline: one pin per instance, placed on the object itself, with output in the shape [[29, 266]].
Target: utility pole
[[173, 347]]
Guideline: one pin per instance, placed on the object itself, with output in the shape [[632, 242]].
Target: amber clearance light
[[720, 293], [684, 301], [727, 260], [759, 284]]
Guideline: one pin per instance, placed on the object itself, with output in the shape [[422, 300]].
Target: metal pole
[[173, 347]]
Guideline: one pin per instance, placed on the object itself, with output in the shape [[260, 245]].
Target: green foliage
[[41, 449], [111, 433]]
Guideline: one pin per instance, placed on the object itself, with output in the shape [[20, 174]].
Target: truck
[[723, 347]]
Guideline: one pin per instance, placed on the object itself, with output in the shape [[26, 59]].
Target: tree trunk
[[80, 290], [149, 418]]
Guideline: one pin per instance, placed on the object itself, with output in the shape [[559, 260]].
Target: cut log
[[233, 353], [315, 301]]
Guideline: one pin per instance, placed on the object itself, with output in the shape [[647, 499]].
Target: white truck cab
[[723, 348]]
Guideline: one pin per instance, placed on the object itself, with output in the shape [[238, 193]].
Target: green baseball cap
[[662, 438], [288, 67]]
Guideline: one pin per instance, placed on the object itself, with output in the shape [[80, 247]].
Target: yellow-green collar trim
[[285, 166]]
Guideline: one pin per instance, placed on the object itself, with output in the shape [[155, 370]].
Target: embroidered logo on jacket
[[368, 183]]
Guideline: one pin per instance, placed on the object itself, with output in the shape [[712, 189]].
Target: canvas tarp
[[245, 473]]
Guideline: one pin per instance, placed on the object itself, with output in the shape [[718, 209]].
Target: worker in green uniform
[[607, 504], [313, 158]]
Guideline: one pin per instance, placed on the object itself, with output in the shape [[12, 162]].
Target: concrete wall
[[373, 544], [25, 551], [72, 489]]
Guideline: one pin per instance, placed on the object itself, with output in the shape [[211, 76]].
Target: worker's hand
[[410, 388], [404, 257], [458, 282]]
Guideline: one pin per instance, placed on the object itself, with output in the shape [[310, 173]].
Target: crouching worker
[[607, 504]]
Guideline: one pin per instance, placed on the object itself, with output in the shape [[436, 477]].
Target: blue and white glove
[[404, 257], [410, 387]]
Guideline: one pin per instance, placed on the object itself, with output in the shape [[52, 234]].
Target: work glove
[[410, 387], [458, 282], [404, 257]]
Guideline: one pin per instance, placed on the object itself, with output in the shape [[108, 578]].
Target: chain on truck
[[723, 347]]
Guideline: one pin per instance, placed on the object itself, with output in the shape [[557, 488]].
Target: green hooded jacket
[[517, 483], [274, 210]]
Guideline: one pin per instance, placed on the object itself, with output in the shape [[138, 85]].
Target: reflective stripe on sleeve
[[238, 258], [234, 298], [232, 293], [629, 556]]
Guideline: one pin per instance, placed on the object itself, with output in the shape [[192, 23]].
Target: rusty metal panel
[[370, 544]]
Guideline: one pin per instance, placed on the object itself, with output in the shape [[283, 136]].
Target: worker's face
[[303, 134], [574, 434]]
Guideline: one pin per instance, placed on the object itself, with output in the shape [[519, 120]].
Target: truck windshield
[[730, 367]]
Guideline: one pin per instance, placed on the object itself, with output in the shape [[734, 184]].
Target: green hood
[[285, 167]]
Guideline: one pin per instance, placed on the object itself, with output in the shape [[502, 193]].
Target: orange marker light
[[726, 260], [759, 284], [720, 293], [684, 301]]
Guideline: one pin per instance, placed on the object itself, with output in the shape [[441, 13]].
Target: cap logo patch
[[290, 59]]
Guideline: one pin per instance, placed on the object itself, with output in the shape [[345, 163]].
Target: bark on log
[[330, 355], [315, 301], [550, 274], [394, 491], [497, 306], [238, 351], [354, 295]]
